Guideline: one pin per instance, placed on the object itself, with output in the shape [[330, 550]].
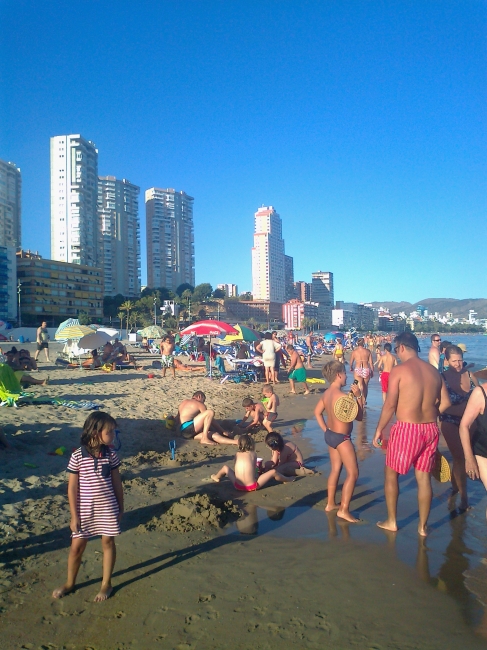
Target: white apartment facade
[[268, 265], [118, 209], [170, 238], [231, 290], [10, 204], [74, 196]]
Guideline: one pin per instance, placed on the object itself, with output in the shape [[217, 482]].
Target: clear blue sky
[[363, 123]]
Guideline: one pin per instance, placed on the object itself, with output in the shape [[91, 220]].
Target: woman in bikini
[[460, 384]]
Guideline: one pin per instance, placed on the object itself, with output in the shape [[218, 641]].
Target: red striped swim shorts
[[412, 444]]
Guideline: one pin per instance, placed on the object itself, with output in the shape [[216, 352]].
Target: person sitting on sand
[[253, 410], [243, 478], [297, 371], [92, 363], [286, 456], [26, 362], [337, 437], [107, 352], [196, 422], [95, 495]]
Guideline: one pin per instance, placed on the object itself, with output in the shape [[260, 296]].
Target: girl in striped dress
[[95, 499]]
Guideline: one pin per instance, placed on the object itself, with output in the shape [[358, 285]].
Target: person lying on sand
[[197, 422], [179, 365], [243, 478], [286, 456]]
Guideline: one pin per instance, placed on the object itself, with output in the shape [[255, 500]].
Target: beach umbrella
[[152, 332], [67, 323], [73, 332], [332, 336], [94, 340], [244, 334], [110, 331], [209, 328]]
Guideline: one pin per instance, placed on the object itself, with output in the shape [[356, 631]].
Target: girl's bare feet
[[423, 530], [62, 591], [330, 507], [103, 594], [214, 478], [345, 514], [388, 525]]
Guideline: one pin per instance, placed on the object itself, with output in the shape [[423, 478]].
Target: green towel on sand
[[10, 388]]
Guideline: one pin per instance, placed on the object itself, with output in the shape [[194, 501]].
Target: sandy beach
[[200, 565]]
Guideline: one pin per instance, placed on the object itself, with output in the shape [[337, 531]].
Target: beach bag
[[441, 470]]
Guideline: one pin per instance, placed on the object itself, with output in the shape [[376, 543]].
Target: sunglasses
[[437, 340]]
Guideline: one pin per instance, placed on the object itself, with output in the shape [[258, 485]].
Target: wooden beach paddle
[[346, 407]]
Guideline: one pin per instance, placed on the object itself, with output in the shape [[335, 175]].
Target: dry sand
[[182, 581]]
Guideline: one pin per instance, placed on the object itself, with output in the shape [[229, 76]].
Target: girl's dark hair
[[93, 426], [275, 441], [267, 335], [246, 442]]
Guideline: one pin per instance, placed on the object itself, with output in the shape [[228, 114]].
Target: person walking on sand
[[42, 338], [363, 367], [167, 357], [197, 422], [268, 348], [95, 500], [434, 351], [417, 395], [385, 364], [297, 371], [337, 437], [309, 345]]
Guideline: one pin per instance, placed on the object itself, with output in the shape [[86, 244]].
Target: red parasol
[[209, 328]]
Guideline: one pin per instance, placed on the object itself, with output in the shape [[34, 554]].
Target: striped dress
[[97, 504]]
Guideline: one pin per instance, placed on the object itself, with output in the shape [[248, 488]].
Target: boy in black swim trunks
[[337, 437]]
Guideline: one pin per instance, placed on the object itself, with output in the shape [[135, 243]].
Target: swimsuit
[[456, 398], [384, 381], [299, 375], [270, 416], [333, 439], [246, 488], [479, 438], [362, 372], [167, 361], [412, 444], [186, 429]]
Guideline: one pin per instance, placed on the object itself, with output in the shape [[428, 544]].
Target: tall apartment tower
[[10, 204], [268, 265], [118, 209], [170, 238], [323, 293], [74, 195]]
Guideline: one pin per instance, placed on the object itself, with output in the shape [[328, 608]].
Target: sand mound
[[198, 512]]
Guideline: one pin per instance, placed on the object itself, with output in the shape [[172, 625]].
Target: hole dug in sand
[[197, 512]]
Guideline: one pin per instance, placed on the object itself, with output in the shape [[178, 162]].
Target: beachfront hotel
[[74, 194], [268, 258], [322, 292], [170, 238], [118, 209], [10, 204]]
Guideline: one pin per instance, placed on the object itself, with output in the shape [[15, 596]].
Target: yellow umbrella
[[73, 332], [244, 334]]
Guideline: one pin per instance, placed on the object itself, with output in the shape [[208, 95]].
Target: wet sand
[[283, 573]]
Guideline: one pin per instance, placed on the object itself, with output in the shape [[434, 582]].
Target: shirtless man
[[42, 338], [167, 358], [195, 422], [434, 353], [309, 353], [417, 395], [362, 365], [384, 365], [297, 371]]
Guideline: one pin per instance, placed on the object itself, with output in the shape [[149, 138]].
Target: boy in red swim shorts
[[417, 394], [385, 364]]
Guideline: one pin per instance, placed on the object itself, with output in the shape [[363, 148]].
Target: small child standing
[[271, 404], [95, 499], [286, 456], [243, 478], [253, 410], [337, 437]]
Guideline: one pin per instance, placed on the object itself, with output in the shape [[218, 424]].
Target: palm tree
[[135, 316], [121, 316], [127, 306]]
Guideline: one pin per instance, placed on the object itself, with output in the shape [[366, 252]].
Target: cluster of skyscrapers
[[95, 225]]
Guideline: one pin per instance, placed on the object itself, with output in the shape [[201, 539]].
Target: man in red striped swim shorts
[[417, 395]]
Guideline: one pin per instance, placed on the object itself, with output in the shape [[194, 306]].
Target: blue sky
[[362, 123]]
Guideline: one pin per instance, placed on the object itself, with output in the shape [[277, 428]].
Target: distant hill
[[459, 308]]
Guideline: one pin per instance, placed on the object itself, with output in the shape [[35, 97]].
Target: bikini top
[[481, 420], [456, 398]]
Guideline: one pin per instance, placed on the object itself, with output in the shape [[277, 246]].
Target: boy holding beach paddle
[[341, 410]]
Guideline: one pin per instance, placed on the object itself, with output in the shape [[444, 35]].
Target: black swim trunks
[[333, 439], [42, 345], [187, 430]]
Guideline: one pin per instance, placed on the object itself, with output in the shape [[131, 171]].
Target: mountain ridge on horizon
[[458, 307]]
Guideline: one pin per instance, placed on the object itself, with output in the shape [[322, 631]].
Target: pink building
[[294, 311]]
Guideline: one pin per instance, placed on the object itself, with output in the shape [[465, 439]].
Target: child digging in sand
[[337, 437], [243, 478], [286, 456], [95, 499], [253, 410]]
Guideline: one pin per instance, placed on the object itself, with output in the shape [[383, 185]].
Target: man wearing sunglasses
[[417, 395], [434, 353]]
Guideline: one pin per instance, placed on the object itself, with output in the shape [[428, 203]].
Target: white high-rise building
[[170, 238], [268, 267], [118, 209], [75, 228], [10, 204]]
